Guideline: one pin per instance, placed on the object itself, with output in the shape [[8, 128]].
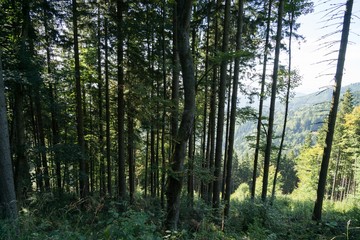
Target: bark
[[175, 82], [22, 175], [107, 107], [40, 127], [223, 181], [286, 110], [335, 175], [176, 175], [8, 204], [163, 155], [212, 114], [121, 102], [272, 103], [146, 164], [221, 110], [261, 102], [203, 187], [100, 104], [131, 156], [83, 174], [333, 112], [190, 179], [228, 188]]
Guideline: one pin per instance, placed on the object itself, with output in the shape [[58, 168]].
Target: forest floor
[[47, 217]]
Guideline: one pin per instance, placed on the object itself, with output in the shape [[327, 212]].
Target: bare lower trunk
[[8, 204], [176, 174], [332, 115]]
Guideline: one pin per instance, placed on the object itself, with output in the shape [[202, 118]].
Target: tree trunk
[[175, 178], [83, 174], [8, 206], [221, 112], [163, 155], [272, 103], [121, 102], [100, 104], [107, 107], [227, 126], [233, 110], [261, 102], [333, 112], [335, 175], [131, 157], [212, 114], [41, 136], [146, 163], [204, 148], [22, 175], [286, 109]]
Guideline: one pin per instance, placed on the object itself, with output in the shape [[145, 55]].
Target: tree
[[272, 102], [333, 113], [175, 178], [8, 204], [233, 110], [121, 101], [221, 110], [261, 102]]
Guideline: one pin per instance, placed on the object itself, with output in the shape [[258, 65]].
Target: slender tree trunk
[[38, 169], [261, 102], [190, 180], [8, 204], [121, 102], [83, 174], [175, 82], [100, 104], [22, 175], [163, 154], [41, 136], [272, 103], [107, 107], [203, 187], [335, 175], [131, 157], [223, 181], [56, 137], [175, 178], [286, 110], [146, 163], [233, 110], [152, 162], [221, 112], [333, 112], [212, 114]]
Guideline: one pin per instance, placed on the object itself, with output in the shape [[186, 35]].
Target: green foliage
[[130, 225], [49, 217]]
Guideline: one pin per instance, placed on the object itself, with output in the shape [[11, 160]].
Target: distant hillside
[[306, 114]]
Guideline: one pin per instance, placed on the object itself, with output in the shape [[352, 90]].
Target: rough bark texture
[[8, 206], [176, 174], [272, 103], [333, 112], [233, 111]]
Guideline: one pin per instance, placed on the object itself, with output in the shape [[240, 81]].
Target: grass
[[46, 217]]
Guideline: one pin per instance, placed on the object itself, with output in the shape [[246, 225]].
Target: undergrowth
[[48, 217]]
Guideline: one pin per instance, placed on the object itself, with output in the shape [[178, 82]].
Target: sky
[[307, 54]]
